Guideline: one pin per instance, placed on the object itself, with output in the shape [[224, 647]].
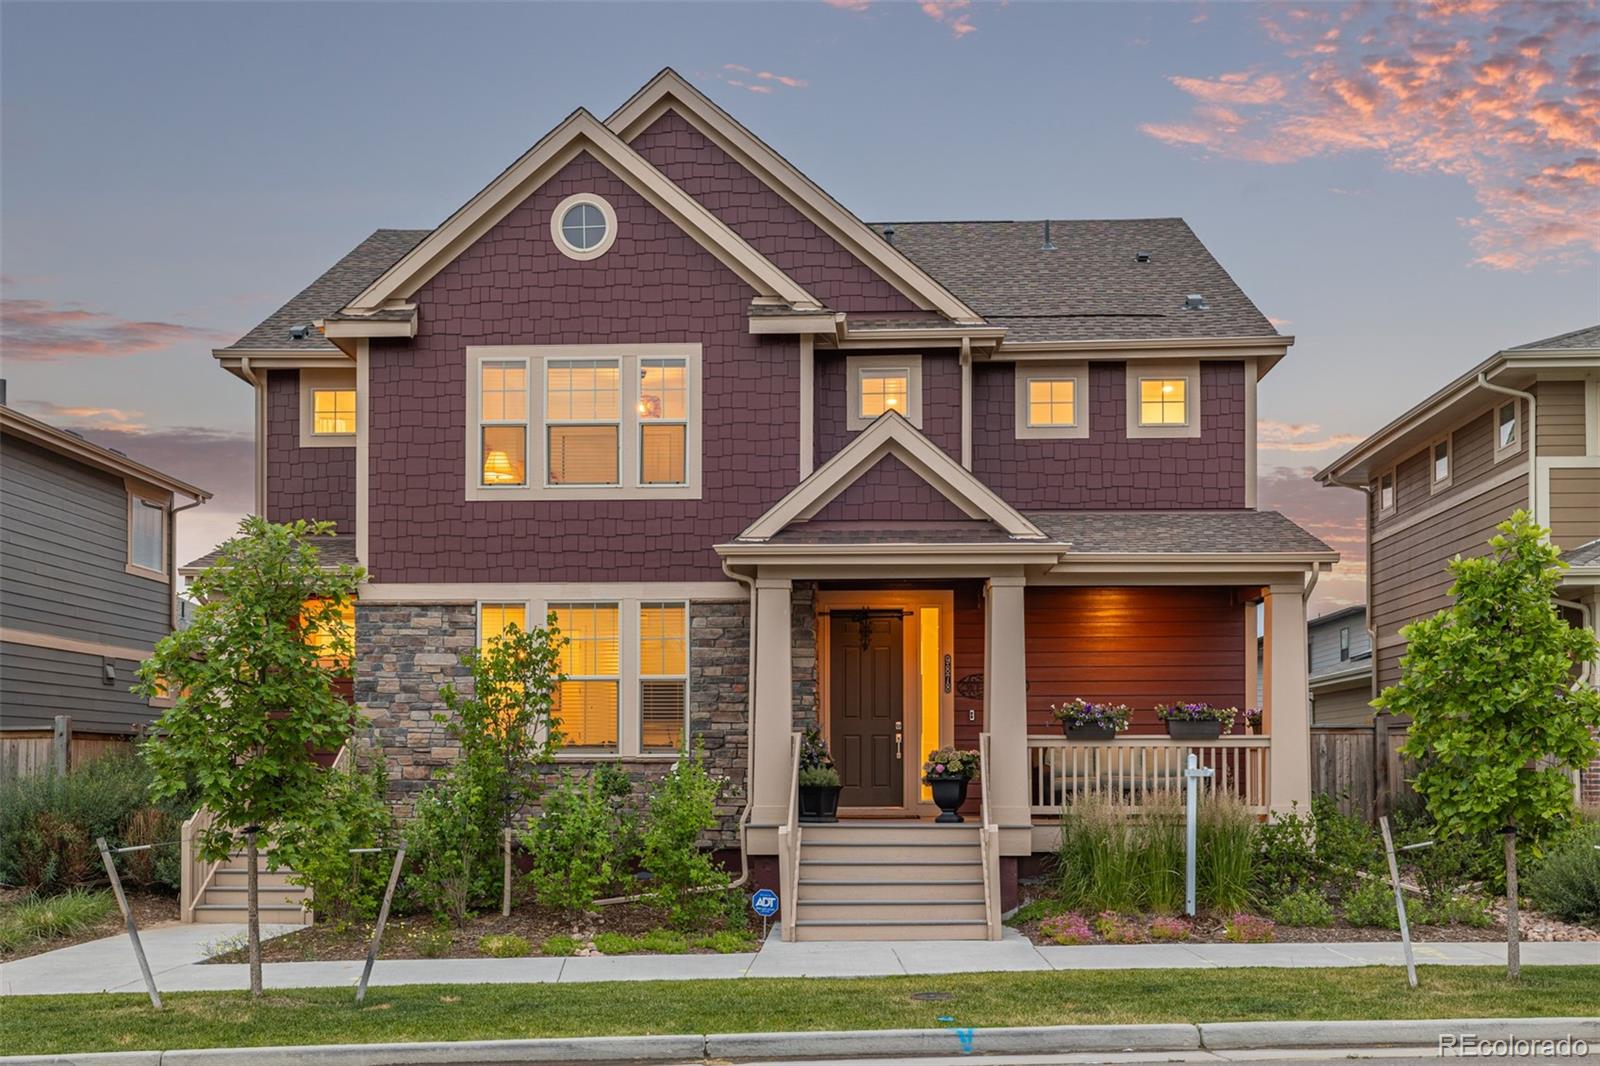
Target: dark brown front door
[[866, 707]]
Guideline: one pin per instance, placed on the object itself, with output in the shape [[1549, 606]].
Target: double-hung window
[[147, 535], [592, 421], [591, 665], [663, 676]]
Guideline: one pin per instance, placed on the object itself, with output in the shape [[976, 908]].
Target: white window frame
[[1189, 372], [560, 239], [1078, 374], [140, 497], [628, 357], [1515, 447], [1394, 492], [630, 725], [324, 379], [857, 365], [1435, 483]]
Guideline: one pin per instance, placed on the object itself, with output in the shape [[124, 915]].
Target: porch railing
[[989, 839], [789, 847], [1137, 771]]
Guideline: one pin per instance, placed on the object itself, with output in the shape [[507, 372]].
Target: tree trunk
[[1513, 938], [252, 910]]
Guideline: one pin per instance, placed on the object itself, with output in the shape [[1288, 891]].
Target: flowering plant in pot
[[1252, 720], [819, 780], [947, 772], [1196, 721], [1083, 720]]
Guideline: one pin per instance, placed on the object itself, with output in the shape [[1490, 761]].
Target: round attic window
[[583, 226]]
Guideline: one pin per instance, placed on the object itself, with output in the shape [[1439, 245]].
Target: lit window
[[590, 661], [495, 618], [1163, 402], [1051, 402], [663, 676], [884, 390], [583, 227], [1506, 427], [663, 421], [147, 535], [503, 411], [1386, 492], [583, 414], [333, 412], [1441, 462], [323, 638]]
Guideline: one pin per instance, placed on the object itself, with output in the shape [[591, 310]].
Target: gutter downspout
[[172, 557], [260, 449], [1533, 437], [1371, 626]]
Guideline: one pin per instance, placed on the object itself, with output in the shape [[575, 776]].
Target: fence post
[[61, 744]]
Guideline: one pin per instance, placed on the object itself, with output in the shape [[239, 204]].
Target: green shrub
[[1304, 908], [1345, 845], [615, 944], [1226, 849], [818, 777], [32, 919], [664, 942], [725, 942], [1371, 905], [346, 887], [1566, 881], [1160, 863], [559, 945], [1038, 909], [1469, 911], [161, 867], [453, 859], [581, 843], [49, 822], [1286, 856], [504, 946], [685, 883], [433, 941]]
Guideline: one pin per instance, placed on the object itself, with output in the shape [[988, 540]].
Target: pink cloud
[[758, 81], [1333, 515], [849, 5], [1272, 436], [38, 331], [115, 419], [956, 14], [1505, 97]]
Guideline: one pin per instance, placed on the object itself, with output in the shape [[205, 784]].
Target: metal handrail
[[989, 839], [789, 846]]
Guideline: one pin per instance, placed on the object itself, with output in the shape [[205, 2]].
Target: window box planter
[[1082, 720], [1197, 721], [1206, 730], [819, 803], [1088, 732]]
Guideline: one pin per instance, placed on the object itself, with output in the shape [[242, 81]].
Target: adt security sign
[[765, 903]]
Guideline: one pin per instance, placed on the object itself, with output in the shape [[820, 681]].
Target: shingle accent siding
[[317, 483], [890, 492], [941, 403], [656, 284], [758, 214]]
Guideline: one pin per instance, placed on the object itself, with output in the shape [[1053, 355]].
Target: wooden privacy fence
[[1360, 767], [24, 752]]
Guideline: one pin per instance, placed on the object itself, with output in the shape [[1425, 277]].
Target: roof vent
[[299, 333], [74, 433], [1195, 302], [888, 234], [1141, 257], [117, 451], [1049, 245]]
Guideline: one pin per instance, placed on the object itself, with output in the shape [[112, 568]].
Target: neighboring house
[[87, 586], [1519, 430], [1338, 667], [770, 466]]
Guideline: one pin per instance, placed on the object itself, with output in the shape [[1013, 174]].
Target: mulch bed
[[148, 909], [404, 937]]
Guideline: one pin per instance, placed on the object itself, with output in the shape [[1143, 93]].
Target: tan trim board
[[808, 404], [363, 449], [1439, 507], [805, 325], [33, 639], [856, 365], [1266, 348], [378, 327], [1251, 383], [500, 592]]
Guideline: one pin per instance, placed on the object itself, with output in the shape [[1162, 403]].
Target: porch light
[[497, 469]]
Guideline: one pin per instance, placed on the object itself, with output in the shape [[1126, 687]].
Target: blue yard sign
[[765, 903]]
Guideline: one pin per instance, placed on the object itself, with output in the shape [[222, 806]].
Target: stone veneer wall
[[405, 653], [803, 654]]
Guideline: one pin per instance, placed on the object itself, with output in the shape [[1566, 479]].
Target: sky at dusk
[[1405, 189]]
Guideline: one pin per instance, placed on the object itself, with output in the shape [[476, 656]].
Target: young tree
[[1498, 719], [252, 697]]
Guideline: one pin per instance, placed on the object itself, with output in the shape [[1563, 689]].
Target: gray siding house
[[1338, 668], [87, 577]]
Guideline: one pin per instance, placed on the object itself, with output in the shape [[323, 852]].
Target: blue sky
[[170, 173]]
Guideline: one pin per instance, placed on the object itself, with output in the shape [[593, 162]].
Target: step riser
[[923, 833], [889, 852], [867, 889], [238, 916], [890, 932], [889, 871], [238, 878], [236, 897], [843, 910]]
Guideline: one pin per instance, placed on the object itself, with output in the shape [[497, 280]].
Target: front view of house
[[772, 467]]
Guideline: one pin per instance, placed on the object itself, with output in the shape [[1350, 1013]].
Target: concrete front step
[[887, 852], [889, 833], [899, 888], [879, 929], [274, 913]]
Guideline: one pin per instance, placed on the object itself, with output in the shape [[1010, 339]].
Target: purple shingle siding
[[941, 403], [655, 285], [890, 492], [315, 483], [1109, 471], [765, 219]]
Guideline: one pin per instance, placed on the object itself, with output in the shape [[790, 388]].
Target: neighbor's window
[[1344, 644], [583, 421], [1163, 401], [503, 411], [333, 412], [663, 676], [663, 421], [1441, 462], [1051, 402], [147, 535], [884, 389], [493, 618], [1386, 492], [590, 661], [1505, 430]]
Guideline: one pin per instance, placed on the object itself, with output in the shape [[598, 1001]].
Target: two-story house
[[770, 466], [87, 587], [1338, 668], [1519, 430]]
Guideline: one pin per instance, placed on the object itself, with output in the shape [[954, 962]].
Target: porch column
[[1287, 716], [771, 703], [1005, 700]]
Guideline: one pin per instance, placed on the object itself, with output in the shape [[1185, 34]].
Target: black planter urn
[[1206, 730], [949, 794], [819, 803], [1088, 732]]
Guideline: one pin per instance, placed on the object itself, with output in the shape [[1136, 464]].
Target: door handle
[[899, 737]]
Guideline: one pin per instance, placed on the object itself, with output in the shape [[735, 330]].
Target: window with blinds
[[663, 421], [663, 676], [590, 660], [493, 618], [583, 417], [503, 414]]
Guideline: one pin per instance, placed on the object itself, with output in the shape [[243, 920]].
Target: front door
[[866, 706]]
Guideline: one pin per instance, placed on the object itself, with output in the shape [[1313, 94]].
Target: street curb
[[956, 1041], [1240, 1036], [575, 1049]]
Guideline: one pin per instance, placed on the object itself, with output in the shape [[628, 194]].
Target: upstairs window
[[882, 391], [327, 404], [1163, 402], [1164, 399], [1052, 403], [147, 536], [1344, 644], [503, 407], [1440, 453], [583, 421], [1386, 491], [878, 384], [663, 421], [583, 226], [1506, 430], [333, 412]]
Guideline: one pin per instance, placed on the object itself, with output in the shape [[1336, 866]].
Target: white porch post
[[1005, 703], [1287, 718], [772, 705]]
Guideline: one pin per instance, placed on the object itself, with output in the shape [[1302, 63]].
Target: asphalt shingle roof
[[340, 284], [1199, 532], [1578, 339], [331, 551], [1583, 555]]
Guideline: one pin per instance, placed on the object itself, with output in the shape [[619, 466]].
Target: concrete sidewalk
[[177, 952]]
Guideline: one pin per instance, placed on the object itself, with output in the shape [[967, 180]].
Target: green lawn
[[55, 1024]]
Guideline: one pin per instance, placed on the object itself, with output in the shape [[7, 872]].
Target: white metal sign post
[[1193, 774]]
